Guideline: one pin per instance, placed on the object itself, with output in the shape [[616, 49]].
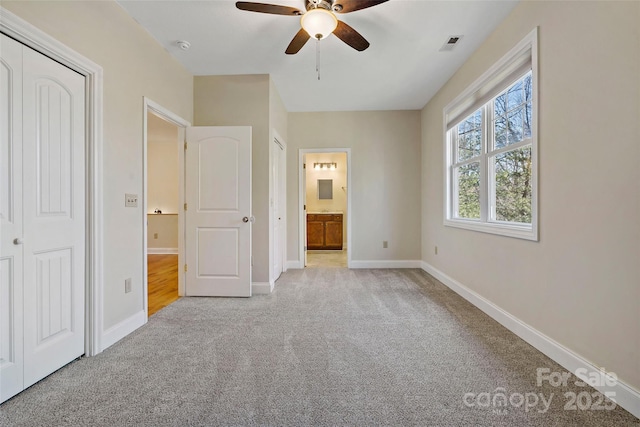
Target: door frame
[[182, 125], [36, 39], [302, 199], [277, 139]]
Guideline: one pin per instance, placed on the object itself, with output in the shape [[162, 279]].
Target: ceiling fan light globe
[[319, 23]]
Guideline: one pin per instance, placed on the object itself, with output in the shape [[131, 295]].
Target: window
[[491, 149]]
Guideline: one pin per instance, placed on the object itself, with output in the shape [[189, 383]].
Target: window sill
[[508, 230]]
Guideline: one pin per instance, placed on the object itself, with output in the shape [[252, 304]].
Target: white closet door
[[11, 228], [42, 276], [54, 215]]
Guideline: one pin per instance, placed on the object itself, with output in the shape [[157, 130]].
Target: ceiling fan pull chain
[[318, 57]]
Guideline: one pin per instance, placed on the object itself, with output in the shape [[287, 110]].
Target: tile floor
[[327, 258]]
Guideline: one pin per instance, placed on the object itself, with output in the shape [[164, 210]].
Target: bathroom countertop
[[327, 213]]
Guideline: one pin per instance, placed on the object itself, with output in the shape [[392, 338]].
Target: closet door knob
[[17, 241]]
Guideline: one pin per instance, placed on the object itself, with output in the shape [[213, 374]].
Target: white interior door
[[276, 179], [48, 269], [218, 216], [11, 251], [304, 208]]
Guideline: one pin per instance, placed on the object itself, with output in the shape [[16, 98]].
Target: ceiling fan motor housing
[[322, 4]]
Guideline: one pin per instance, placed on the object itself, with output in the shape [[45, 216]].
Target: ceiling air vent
[[450, 43]]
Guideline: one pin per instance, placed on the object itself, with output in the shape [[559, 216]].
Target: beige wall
[[162, 233], [162, 166], [385, 178], [162, 183], [243, 101], [580, 284], [135, 65], [339, 177]]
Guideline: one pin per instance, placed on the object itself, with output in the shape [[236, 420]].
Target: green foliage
[[469, 191], [513, 186]]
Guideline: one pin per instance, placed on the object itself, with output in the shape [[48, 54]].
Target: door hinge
[[305, 207], [304, 166], [185, 206], [185, 146], [185, 267]]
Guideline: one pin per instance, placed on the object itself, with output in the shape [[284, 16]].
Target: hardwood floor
[[162, 278]]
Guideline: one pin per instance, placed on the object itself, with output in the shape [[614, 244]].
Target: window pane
[[500, 132], [527, 120], [513, 185], [470, 137], [469, 190], [516, 95], [500, 105], [515, 125], [528, 86]]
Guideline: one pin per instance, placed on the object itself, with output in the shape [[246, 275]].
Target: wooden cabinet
[[324, 231]]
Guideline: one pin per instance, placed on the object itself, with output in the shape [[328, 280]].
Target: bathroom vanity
[[324, 231]]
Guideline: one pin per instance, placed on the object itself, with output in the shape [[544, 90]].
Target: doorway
[[162, 212], [325, 237], [164, 135]]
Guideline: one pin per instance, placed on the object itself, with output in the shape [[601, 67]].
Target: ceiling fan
[[318, 21]]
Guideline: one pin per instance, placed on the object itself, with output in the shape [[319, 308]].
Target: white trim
[[294, 264], [386, 264], [150, 106], [262, 288], [123, 328], [302, 197], [160, 251], [38, 40], [625, 395]]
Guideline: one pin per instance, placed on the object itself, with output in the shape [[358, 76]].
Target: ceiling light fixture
[[319, 23]]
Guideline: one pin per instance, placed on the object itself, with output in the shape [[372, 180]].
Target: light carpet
[[329, 347]]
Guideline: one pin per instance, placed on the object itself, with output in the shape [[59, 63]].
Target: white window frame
[[487, 87]]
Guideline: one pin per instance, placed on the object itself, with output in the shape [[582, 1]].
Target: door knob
[[245, 219], [17, 241]]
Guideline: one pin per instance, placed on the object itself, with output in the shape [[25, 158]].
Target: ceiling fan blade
[[346, 6], [350, 36], [268, 8], [298, 41]]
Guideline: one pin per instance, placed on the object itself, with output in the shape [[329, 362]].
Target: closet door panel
[[54, 205], [11, 227]]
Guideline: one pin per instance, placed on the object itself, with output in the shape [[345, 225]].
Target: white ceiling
[[401, 70]]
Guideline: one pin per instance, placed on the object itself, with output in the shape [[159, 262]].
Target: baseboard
[[386, 264], [122, 329], [295, 264], [625, 395], [261, 288], [160, 251]]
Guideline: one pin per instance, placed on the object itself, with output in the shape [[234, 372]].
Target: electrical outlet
[[131, 200], [436, 250], [155, 235], [127, 285], [385, 244]]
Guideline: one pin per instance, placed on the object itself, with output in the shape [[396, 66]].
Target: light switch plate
[[131, 200]]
